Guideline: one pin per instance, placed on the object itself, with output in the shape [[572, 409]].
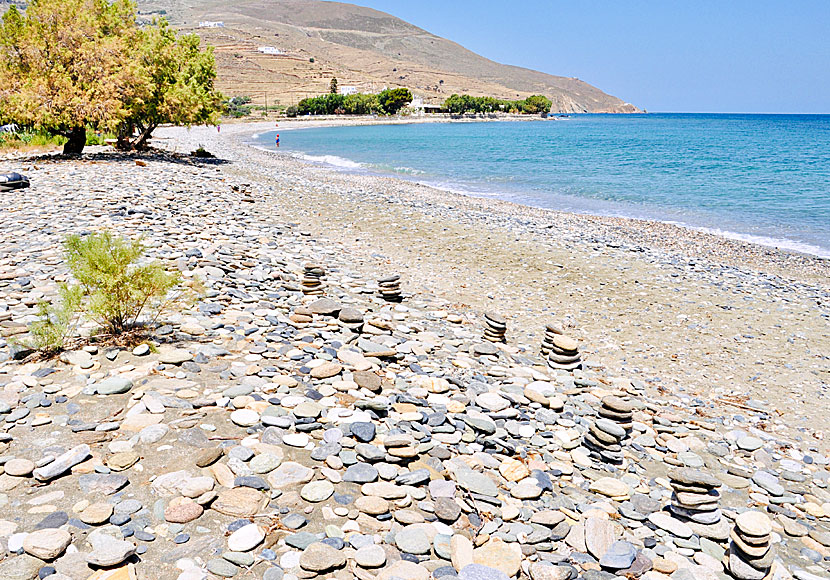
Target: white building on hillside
[[346, 90], [211, 24], [273, 50]]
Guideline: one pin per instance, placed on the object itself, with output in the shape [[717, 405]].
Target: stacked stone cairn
[[605, 435], [312, 279], [551, 332], [695, 501], [495, 327], [390, 288], [750, 553], [563, 352]]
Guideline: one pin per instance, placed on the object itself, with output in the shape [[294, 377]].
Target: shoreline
[[783, 245]]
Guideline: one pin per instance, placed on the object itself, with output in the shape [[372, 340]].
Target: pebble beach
[[384, 380]]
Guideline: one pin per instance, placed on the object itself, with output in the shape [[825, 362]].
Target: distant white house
[[211, 24], [346, 90], [273, 50]]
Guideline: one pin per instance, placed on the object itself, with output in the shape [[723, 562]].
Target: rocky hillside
[[363, 48]]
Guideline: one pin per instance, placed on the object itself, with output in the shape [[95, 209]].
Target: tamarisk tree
[[70, 65]]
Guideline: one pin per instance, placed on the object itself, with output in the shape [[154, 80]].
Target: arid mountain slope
[[363, 48]]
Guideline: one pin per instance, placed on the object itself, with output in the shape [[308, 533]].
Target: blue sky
[[664, 55]]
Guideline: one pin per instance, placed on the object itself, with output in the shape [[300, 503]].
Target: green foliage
[[30, 138], [117, 286], [460, 104], [329, 104], [238, 106], [361, 104], [536, 104], [56, 320], [393, 100], [180, 84], [98, 138], [389, 102], [70, 65], [333, 86]]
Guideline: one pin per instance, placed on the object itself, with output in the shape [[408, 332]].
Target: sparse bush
[[202, 153], [292, 111], [56, 320], [116, 288]]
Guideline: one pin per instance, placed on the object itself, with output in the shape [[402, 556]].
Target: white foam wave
[[770, 242], [333, 160]]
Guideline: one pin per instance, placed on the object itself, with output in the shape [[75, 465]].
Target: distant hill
[[363, 48]]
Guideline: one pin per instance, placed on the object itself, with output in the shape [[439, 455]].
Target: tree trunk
[[141, 142], [77, 141]]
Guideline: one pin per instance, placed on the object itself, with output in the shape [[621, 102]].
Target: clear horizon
[[707, 57]]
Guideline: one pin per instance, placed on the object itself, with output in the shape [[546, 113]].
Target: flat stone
[[754, 523], [361, 473], [403, 569], [413, 540], [319, 557], [246, 538], [481, 572], [610, 487], [326, 370], [502, 556], [245, 417], [208, 456], [618, 556], [174, 356], [108, 550], [96, 514], [749, 443], [599, 536], [23, 567], [372, 556], [690, 476], [288, 474], [182, 510], [317, 491], [675, 527], [47, 544], [222, 568], [19, 467], [239, 502], [114, 386], [62, 463]]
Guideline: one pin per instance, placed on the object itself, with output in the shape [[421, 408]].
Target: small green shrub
[[56, 320], [117, 288]]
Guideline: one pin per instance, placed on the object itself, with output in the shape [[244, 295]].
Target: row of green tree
[[71, 65], [386, 102], [533, 105]]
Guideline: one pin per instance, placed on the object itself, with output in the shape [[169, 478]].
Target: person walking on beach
[[218, 128]]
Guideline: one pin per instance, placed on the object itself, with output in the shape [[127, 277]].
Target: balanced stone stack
[[750, 552], [390, 288], [551, 332], [605, 435], [495, 327], [563, 353], [695, 501], [312, 279]]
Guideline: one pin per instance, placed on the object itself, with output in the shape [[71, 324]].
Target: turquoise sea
[[761, 178]]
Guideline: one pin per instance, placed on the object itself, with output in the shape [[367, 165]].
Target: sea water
[[760, 178]]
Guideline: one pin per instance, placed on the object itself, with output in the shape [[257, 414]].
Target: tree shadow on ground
[[138, 157]]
